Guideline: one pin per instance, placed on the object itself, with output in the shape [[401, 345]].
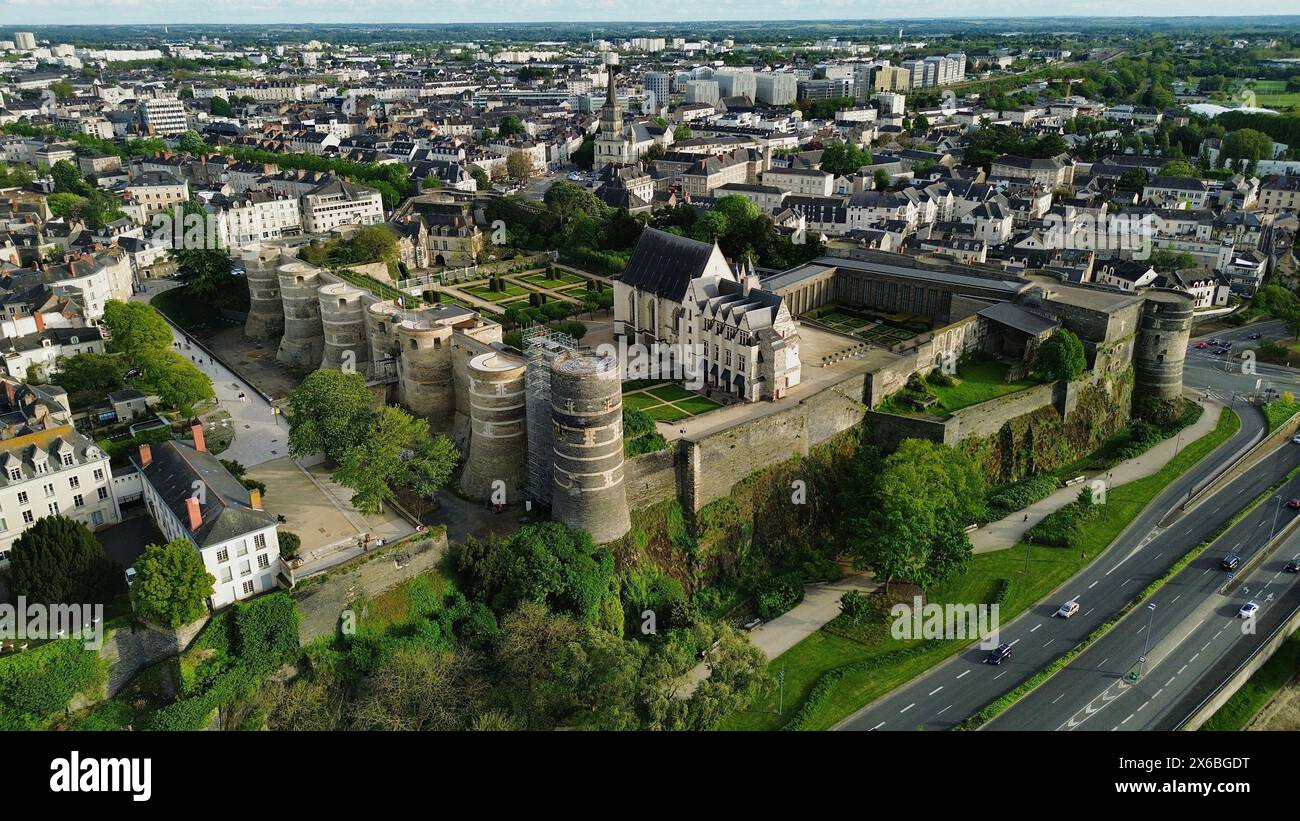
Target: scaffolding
[[541, 347]]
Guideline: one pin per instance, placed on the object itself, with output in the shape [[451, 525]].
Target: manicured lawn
[[697, 405], [508, 291], [640, 401], [822, 652], [558, 282], [667, 413], [670, 392], [1259, 689], [978, 382]]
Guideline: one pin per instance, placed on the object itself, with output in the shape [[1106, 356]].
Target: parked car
[[1255, 336], [1220, 351], [1294, 504], [1066, 610], [1230, 561], [1248, 610], [998, 654], [1292, 566], [1202, 346], [1295, 440]]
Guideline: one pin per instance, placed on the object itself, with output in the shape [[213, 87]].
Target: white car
[[1066, 610], [1295, 440], [1248, 610]]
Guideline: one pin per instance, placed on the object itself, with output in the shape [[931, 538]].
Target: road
[[961, 686]]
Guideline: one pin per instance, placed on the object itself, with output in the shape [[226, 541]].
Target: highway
[[961, 686]]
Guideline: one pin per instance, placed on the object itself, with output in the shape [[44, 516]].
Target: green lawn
[[823, 652], [697, 405], [976, 381], [668, 402], [1259, 689], [558, 282], [640, 401], [667, 413], [509, 291], [670, 392], [1278, 411]]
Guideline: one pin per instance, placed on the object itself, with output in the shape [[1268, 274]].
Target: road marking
[[1170, 681], [1049, 641], [1207, 646], [878, 726], [1144, 705], [1126, 581], [1036, 626], [1090, 609], [1103, 661], [936, 689], [1180, 670], [908, 707], [944, 710], [1176, 598], [1094, 584], [1194, 658], [966, 673], [1140, 629], [1130, 715], [1014, 643], [1157, 695], [1058, 698], [1000, 675]]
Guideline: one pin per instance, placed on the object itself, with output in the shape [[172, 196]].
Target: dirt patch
[[254, 361]]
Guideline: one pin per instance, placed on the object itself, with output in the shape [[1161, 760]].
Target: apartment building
[[338, 203], [154, 192], [1280, 193], [809, 182], [776, 87], [255, 216], [190, 495], [163, 116], [47, 468]]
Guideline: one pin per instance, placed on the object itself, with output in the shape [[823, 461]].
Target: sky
[[53, 12]]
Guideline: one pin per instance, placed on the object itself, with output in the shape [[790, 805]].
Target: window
[[225, 574], [67, 460], [49, 490], [74, 482], [22, 497], [223, 555], [28, 518], [99, 474], [248, 588], [103, 493], [97, 518], [42, 466], [15, 474], [259, 541], [263, 562], [245, 568], [243, 548], [77, 501], [54, 508]]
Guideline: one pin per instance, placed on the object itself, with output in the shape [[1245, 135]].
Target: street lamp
[[1276, 512], [1151, 611]]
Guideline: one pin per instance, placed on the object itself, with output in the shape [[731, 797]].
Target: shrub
[[855, 605], [290, 544], [777, 594]]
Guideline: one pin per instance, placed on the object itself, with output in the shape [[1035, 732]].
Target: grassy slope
[[1259, 689], [821, 652]]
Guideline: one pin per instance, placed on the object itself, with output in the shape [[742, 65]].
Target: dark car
[[1255, 336], [1220, 351], [1294, 504], [1292, 566], [1230, 561], [998, 654]]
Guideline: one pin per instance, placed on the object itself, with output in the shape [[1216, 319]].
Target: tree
[[136, 327], [62, 89], [177, 381], [171, 584], [67, 179], [510, 126], [328, 413], [1179, 168], [1061, 357], [191, 142], [518, 166], [419, 688], [58, 561], [922, 497], [842, 159], [481, 178], [206, 272], [681, 132], [220, 107], [396, 452], [880, 179]]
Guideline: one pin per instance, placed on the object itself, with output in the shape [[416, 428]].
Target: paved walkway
[[1008, 532]]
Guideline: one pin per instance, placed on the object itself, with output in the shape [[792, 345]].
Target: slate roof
[[1017, 318], [173, 470], [664, 264]]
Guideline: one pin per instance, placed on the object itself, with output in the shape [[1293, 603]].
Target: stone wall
[[987, 418], [888, 430], [129, 650], [713, 464], [650, 478]]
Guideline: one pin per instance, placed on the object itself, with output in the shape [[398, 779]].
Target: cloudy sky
[[35, 12]]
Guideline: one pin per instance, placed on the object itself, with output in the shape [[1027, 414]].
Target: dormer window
[[15, 474], [67, 460]]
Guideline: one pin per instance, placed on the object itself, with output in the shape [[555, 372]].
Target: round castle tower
[[1161, 344], [303, 342], [343, 320], [265, 313], [498, 427]]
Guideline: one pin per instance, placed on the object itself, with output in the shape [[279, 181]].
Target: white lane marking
[[1094, 584], [1058, 698], [1130, 715], [965, 673], [878, 726], [1049, 641], [936, 689], [1000, 675], [1176, 598], [1144, 705], [1180, 670], [1036, 626], [1170, 681], [1014, 643], [1089, 610], [908, 707], [944, 710]]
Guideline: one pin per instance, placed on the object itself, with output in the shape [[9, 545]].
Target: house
[[190, 495]]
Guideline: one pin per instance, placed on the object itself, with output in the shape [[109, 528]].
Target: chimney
[[196, 513], [146, 454], [40, 321], [197, 430], [254, 498]]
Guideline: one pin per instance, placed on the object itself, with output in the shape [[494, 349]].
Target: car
[[1255, 336], [1294, 504], [1220, 351], [1230, 561], [1066, 610], [1292, 566], [1202, 346], [998, 654], [1247, 610], [1295, 440]]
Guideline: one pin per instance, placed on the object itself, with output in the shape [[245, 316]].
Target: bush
[[290, 544], [777, 594], [1021, 495], [1064, 527], [855, 606]]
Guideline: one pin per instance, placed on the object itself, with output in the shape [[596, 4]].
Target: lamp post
[[1276, 512], [1142, 662]]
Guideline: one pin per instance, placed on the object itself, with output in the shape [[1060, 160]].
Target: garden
[[668, 402]]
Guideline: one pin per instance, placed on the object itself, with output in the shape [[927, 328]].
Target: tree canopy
[[171, 584], [58, 561], [1061, 357]]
